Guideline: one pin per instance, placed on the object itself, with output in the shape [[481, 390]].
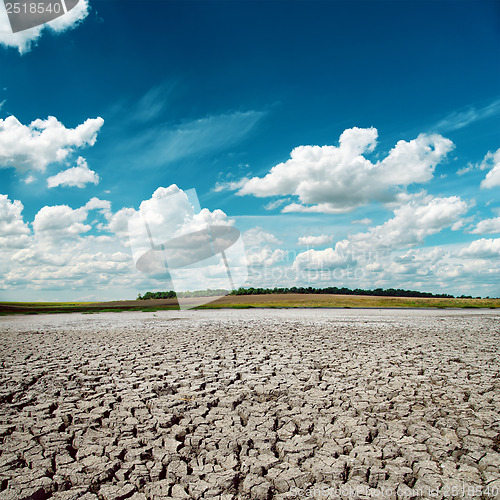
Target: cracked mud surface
[[250, 404]]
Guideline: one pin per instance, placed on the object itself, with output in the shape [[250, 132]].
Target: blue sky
[[246, 102]]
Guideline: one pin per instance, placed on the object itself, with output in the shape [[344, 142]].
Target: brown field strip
[[249, 301]]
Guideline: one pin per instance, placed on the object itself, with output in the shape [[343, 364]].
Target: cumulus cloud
[[487, 226], [60, 223], [484, 248], [466, 275], [491, 161], [62, 253], [260, 256], [24, 40], [265, 257], [104, 206], [117, 223], [314, 260], [78, 176], [70, 250], [172, 211], [338, 179], [415, 261], [14, 232], [42, 142], [434, 269], [312, 241], [257, 236], [423, 216]]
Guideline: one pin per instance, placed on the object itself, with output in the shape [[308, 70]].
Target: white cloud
[[313, 260], [411, 224], [65, 252], [491, 161], [365, 221], [463, 118], [170, 212], [14, 232], [338, 179], [24, 40], [257, 236], [161, 144], [265, 257], [62, 254], [487, 226], [465, 276], [414, 265], [42, 142], [433, 269], [118, 222], [423, 216], [271, 205], [483, 249], [312, 241], [97, 204], [152, 104], [60, 222], [260, 256], [229, 185], [78, 176], [469, 168]]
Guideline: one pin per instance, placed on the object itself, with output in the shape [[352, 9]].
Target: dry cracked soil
[[251, 404]]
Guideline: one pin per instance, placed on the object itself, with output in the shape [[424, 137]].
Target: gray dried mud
[[251, 404]]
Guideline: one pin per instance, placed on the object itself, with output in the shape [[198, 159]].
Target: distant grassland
[[248, 301]]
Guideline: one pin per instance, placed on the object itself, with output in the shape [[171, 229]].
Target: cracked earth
[[252, 404]]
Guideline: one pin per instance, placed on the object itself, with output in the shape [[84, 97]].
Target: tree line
[[333, 290]]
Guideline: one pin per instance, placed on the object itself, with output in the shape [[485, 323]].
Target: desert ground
[[259, 403]]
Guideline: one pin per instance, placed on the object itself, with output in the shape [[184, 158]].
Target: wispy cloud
[[160, 145], [464, 117], [366, 221], [153, 103]]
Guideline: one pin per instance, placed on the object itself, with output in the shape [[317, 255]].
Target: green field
[[249, 301]]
